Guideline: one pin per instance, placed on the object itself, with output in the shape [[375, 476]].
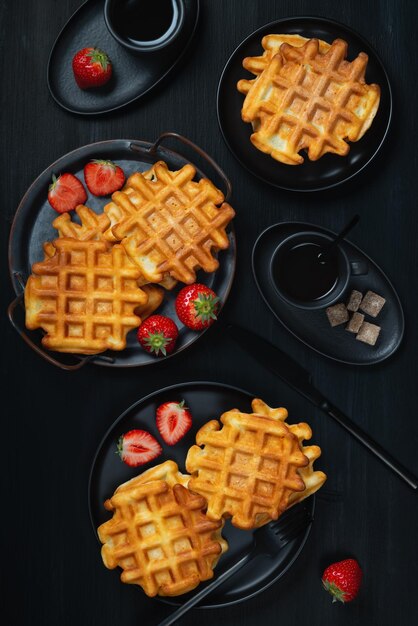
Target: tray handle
[[11, 312], [204, 155]]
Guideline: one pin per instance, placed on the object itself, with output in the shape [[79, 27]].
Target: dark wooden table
[[52, 421]]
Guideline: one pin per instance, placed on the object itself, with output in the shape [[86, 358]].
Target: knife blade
[[286, 368]]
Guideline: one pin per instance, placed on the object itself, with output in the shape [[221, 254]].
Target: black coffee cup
[[144, 25], [307, 276]]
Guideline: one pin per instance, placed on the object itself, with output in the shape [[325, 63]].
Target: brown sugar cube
[[372, 304], [355, 323], [368, 333], [354, 301], [337, 314]]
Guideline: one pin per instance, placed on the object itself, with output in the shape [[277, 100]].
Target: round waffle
[[306, 98], [160, 536], [248, 468]]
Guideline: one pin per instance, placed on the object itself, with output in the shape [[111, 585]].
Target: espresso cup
[[302, 279], [144, 25]]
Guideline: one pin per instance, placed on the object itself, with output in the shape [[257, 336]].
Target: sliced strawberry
[[66, 192], [138, 447], [103, 177], [173, 421]]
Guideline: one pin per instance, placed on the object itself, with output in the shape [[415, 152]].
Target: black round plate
[[206, 400], [312, 327], [330, 170], [32, 226], [133, 75]]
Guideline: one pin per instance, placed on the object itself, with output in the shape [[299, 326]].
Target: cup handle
[[359, 268]]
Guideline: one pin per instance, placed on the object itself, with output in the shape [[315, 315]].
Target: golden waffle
[[308, 100], [155, 297], [84, 297], [170, 224], [248, 468], [271, 45], [92, 225], [160, 537], [313, 480], [167, 471]]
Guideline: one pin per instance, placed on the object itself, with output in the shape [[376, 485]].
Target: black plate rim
[[142, 94], [86, 148], [338, 25], [328, 232], [146, 398]]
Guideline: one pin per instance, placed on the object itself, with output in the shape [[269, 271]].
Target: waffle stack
[[306, 96], [105, 274], [166, 529]]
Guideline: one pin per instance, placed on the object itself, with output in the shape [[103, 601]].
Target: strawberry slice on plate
[[138, 447], [66, 192], [173, 421], [103, 177]]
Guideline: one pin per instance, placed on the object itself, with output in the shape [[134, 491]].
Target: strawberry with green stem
[[158, 335], [197, 306], [342, 580]]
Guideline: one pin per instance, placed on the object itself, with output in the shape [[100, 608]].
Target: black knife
[[299, 379]]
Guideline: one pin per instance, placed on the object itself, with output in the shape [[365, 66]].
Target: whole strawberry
[[342, 580], [158, 335], [197, 306], [66, 192], [103, 177], [138, 447], [91, 67]]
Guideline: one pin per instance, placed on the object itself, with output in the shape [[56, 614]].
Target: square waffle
[[170, 224], [305, 99], [248, 468], [84, 297], [161, 538]]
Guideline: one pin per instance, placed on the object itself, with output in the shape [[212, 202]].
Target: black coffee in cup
[[139, 21], [304, 272]]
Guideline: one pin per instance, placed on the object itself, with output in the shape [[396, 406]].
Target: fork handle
[[206, 590]]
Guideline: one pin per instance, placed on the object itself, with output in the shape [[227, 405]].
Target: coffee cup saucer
[[311, 327], [134, 75]]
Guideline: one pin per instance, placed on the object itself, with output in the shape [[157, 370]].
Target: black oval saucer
[[206, 400], [133, 75], [330, 170], [312, 326]]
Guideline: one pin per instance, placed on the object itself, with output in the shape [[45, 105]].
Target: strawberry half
[[138, 447], [103, 177], [173, 421], [66, 192]]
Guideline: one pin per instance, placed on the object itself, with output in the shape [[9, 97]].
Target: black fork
[[268, 540]]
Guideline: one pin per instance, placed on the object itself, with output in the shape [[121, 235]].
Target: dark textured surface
[[53, 421]]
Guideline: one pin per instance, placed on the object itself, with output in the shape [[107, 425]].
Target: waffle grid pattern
[[92, 225], [84, 297], [161, 538], [246, 470], [170, 224], [308, 100]]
